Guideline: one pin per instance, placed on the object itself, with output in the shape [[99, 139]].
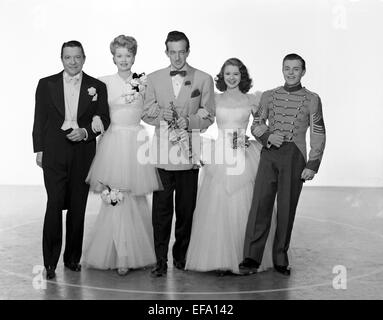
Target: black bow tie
[[182, 73]]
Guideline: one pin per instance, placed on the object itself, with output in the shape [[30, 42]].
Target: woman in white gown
[[122, 237], [226, 190]]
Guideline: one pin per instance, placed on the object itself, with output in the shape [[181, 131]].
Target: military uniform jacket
[[290, 112]]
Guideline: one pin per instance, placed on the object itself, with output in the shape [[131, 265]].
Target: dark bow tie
[[182, 73]]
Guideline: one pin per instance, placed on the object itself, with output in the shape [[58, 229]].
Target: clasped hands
[[276, 139], [76, 135], [181, 122]]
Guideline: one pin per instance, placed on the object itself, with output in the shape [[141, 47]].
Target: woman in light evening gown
[[226, 190], [122, 237]]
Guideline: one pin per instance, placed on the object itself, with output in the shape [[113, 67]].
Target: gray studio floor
[[336, 252]]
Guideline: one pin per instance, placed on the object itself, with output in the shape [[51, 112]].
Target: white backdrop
[[340, 41]]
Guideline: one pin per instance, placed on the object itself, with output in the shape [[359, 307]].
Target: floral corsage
[[136, 87], [240, 141], [112, 196]]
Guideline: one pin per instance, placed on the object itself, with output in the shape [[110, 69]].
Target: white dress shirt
[[177, 81], [71, 96]]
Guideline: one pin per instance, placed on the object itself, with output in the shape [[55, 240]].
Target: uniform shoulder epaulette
[[276, 89], [311, 92]]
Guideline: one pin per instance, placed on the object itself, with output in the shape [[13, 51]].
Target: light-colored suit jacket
[[197, 91]]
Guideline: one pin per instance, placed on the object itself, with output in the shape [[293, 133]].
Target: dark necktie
[[182, 73]]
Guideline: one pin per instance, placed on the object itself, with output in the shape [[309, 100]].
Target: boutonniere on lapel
[[195, 93], [93, 93], [187, 83]]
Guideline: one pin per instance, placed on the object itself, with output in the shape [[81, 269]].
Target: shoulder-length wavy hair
[[245, 83]]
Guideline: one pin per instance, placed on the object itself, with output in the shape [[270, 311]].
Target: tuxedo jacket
[[197, 91], [50, 113]]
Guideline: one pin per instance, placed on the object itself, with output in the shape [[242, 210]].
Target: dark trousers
[[65, 169], [279, 173], [185, 184]]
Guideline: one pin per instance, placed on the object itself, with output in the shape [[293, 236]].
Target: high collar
[[293, 88]]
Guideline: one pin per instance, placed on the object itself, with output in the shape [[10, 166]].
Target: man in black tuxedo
[[65, 145]]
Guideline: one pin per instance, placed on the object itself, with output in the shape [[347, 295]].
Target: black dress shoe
[[248, 266], [179, 264], [74, 266], [160, 269], [282, 269], [50, 272]]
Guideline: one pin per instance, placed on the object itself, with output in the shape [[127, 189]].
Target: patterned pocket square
[[195, 93]]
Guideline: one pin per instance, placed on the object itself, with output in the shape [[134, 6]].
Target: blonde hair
[[123, 41]]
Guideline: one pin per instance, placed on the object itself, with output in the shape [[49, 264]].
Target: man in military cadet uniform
[[283, 166]]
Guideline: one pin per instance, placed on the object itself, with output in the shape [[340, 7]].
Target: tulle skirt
[[222, 209], [122, 236], [120, 164]]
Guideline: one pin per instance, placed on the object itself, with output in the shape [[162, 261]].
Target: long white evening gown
[[225, 195], [123, 235]]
